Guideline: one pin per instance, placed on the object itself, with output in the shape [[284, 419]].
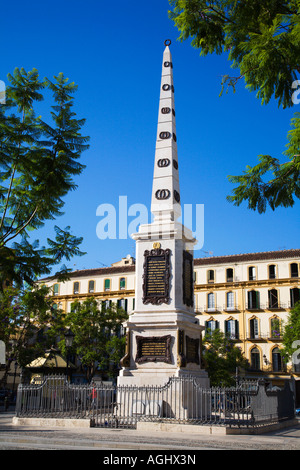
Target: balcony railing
[[250, 307], [233, 336], [276, 305], [215, 309], [232, 308], [253, 306], [267, 306], [273, 336]]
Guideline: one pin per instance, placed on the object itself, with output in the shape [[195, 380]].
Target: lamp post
[[69, 338], [16, 366]]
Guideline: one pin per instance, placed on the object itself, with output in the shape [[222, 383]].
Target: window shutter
[[255, 321], [249, 299], [257, 299], [236, 328], [55, 289], [230, 300], [211, 300]]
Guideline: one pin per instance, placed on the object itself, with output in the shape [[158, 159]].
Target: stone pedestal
[[163, 334]]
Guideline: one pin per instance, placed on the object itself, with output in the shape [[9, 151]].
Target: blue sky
[[113, 51]]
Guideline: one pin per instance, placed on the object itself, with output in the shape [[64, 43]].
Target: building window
[[122, 303], [91, 287], [210, 275], [254, 328], [106, 304], [107, 284], [120, 331], [275, 327], [276, 360], [54, 308], [294, 296], [76, 288], [272, 271], [210, 326], [294, 270], [230, 301], [56, 289], [273, 298], [253, 300], [232, 328], [255, 359], [211, 301], [296, 366], [229, 275], [122, 283], [252, 273]]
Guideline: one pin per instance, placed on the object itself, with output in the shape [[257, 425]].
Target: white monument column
[[163, 333]]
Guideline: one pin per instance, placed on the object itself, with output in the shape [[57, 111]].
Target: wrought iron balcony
[[215, 309], [272, 336], [254, 306], [232, 308], [267, 306]]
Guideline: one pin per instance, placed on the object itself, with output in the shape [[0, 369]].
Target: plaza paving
[[14, 437]]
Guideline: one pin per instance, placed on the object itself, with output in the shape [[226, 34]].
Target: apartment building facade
[[248, 296]]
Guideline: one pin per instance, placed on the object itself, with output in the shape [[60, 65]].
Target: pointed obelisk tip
[[167, 42]]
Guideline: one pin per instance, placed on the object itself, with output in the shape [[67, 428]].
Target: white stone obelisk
[[163, 334]]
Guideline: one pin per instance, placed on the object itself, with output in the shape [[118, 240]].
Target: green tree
[[29, 324], [38, 161], [222, 358], [291, 336], [262, 40], [97, 342]]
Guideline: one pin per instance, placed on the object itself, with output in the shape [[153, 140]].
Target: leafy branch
[[38, 161], [261, 39]]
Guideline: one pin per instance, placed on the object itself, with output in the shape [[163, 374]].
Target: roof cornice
[[227, 259]]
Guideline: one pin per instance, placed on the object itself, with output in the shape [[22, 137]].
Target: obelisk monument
[[163, 333]]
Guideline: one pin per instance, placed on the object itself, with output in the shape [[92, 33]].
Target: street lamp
[[16, 366], [69, 338]]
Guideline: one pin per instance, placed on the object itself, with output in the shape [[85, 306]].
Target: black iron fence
[[181, 400]]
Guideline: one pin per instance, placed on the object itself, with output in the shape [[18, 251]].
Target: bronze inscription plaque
[[156, 276], [192, 349], [153, 349], [187, 279]]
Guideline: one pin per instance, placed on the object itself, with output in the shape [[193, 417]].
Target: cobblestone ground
[[36, 438]]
